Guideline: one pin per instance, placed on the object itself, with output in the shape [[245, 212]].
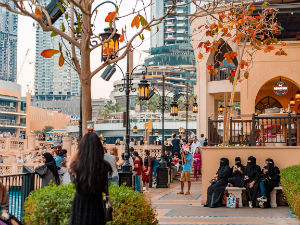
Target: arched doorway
[[265, 103], [268, 98]]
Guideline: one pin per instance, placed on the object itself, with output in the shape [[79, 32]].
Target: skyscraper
[[51, 81], [174, 29], [8, 45]]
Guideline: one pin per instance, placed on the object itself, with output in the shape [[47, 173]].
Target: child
[[197, 163], [176, 160]]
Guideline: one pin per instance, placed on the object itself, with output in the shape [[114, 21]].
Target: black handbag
[[108, 210]]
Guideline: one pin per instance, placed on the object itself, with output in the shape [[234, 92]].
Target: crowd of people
[[259, 182]]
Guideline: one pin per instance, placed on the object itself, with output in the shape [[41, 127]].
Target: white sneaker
[[262, 199], [250, 204]]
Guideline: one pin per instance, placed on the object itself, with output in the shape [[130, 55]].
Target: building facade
[[256, 94], [51, 81], [8, 45]]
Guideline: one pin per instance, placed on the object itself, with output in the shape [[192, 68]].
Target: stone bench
[[237, 192]]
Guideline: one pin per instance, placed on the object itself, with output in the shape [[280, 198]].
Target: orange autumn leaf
[[61, 60], [252, 7], [110, 16], [283, 43], [122, 36], [269, 48], [38, 12], [200, 56], [48, 53], [136, 22]]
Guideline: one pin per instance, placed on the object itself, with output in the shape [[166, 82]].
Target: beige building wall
[[37, 118]]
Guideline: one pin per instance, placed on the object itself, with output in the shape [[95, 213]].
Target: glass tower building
[[51, 81], [8, 45]]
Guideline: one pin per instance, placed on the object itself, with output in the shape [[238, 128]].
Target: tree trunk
[[229, 112], [86, 70]]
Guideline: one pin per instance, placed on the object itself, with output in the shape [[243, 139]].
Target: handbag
[[232, 202], [108, 210]]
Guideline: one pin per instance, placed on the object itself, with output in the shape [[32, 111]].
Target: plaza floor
[[187, 209]]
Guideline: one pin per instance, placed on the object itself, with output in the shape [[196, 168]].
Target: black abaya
[[271, 179], [253, 171], [215, 191]]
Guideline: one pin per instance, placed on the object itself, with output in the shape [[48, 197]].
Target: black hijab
[[251, 167], [270, 166], [51, 165], [224, 165], [238, 161]]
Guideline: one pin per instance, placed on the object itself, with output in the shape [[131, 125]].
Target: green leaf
[[62, 9], [59, 46], [53, 34], [66, 16], [142, 37], [63, 27], [265, 4], [110, 23], [143, 21]]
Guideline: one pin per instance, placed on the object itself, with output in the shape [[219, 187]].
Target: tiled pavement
[[181, 209]]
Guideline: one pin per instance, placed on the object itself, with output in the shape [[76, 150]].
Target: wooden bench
[[237, 192]]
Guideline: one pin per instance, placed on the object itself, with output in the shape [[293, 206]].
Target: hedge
[[52, 205], [291, 187]]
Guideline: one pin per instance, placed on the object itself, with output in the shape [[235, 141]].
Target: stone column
[[30, 141], [67, 144]]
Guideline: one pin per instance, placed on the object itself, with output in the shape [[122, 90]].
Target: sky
[[100, 88]]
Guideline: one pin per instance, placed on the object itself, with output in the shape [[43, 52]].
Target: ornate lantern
[[135, 129], [221, 108], [174, 108], [292, 102], [181, 130], [143, 90], [297, 96], [111, 47], [195, 107]]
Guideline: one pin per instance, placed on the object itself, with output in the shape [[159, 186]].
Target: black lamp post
[[144, 94]]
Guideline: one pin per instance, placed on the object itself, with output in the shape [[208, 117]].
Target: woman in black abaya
[[216, 190], [237, 178], [270, 179], [252, 175]]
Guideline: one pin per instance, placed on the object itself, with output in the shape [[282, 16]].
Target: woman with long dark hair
[[48, 172], [90, 172]]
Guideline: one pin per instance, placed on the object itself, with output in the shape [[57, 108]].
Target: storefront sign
[[280, 88]]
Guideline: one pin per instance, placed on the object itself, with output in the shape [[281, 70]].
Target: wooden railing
[[261, 130]]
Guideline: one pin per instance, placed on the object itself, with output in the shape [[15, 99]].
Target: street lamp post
[[162, 170], [186, 112]]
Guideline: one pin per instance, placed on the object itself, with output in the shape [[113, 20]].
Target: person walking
[[138, 169], [175, 145], [147, 169], [48, 172], [90, 172], [111, 159], [197, 163], [187, 159], [195, 144]]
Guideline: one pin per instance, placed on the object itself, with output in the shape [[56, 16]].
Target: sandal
[[187, 193], [180, 193]]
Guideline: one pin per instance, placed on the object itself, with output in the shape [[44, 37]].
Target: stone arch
[[266, 90]]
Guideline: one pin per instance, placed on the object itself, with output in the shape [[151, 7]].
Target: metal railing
[[261, 130], [222, 74], [18, 188]]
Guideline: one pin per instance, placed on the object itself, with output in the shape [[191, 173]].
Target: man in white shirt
[[202, 140], [112, 161], [194, 145]]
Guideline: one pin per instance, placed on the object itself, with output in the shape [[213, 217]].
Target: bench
[[237, 192]]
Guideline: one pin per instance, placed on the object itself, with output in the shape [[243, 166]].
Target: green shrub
[[130, 207], [52, 205], [291, 187], [49, 205]]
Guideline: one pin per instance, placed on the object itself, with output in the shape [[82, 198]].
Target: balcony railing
[[222, 74], [278, 130]]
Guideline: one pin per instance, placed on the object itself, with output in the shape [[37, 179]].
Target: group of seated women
[[259, 182]]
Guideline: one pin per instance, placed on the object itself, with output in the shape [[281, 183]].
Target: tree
[[110, 107], [251, 29], [78, 31], [47, 129]]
